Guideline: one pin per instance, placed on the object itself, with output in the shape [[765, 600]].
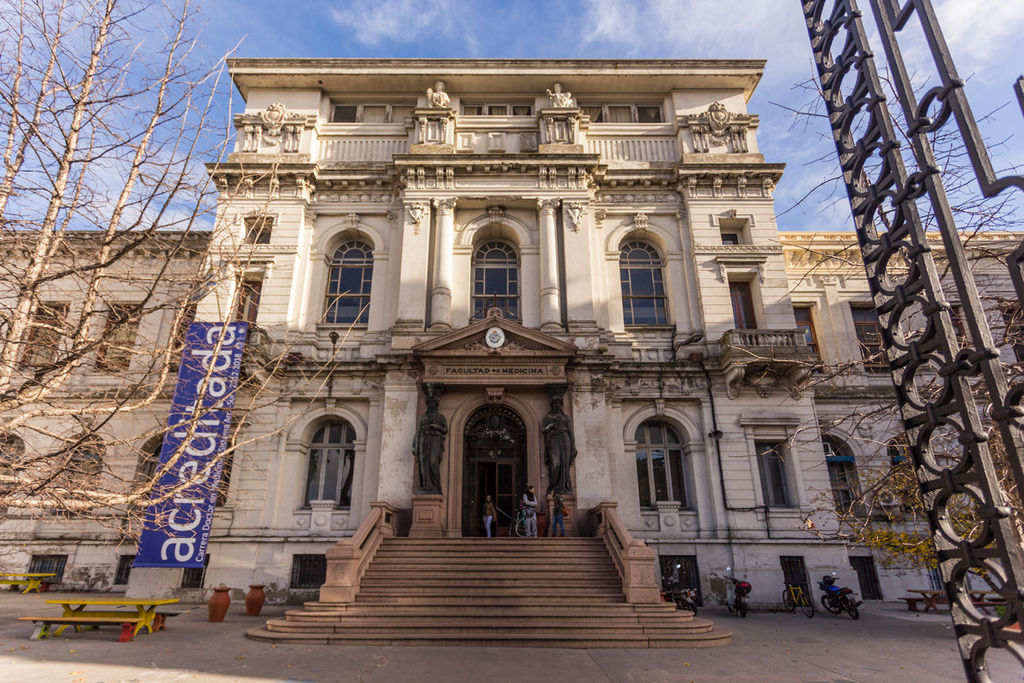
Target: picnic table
[[32, 581], [145, 610], [931, 599]]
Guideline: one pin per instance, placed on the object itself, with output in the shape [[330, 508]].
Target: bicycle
[[518, 523], [795, 595]]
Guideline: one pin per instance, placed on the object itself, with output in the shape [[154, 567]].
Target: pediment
[[520, 342]]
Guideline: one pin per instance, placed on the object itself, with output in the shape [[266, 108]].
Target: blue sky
[[984, 37]]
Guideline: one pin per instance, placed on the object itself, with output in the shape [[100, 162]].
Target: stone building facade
[[506, 230]]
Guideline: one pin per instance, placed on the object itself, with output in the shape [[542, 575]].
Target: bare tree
[[105, 214]]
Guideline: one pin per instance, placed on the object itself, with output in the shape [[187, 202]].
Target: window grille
[[48, 564], [867, 577], [794, 572], [842, 472], [124, 569], [308, 571], [688, 575], [195, 577]]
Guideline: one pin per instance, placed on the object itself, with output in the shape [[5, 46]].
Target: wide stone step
[[519, 581], [455, 627], [551, 638], [488, 611], [554, 602]]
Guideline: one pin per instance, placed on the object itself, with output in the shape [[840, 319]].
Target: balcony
[[765, 359]]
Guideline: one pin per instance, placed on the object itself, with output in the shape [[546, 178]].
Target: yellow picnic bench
[[145, 615], [31, 581], [127, 622]]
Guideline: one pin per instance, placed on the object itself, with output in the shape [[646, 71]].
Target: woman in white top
[[530, 510]]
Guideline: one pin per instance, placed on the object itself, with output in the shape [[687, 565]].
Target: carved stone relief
[[272, 128], [575, 211], [717, 126], [559, 98]]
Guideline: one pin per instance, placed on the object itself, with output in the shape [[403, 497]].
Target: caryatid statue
[[428, 446], [559, 446]]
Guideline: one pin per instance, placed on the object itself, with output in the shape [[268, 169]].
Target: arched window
[[348, 284], [842, 471], [643, 285], [331, 458], [85, 460], [495, 279], [659, 465]]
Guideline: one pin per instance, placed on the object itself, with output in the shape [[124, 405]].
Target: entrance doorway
[[495, 464]]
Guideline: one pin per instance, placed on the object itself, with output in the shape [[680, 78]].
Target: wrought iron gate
[[940, 381]]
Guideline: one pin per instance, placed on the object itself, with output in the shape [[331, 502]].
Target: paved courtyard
[[886, 644]]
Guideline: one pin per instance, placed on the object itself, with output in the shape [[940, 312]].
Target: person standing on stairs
[[558, 516], [488, 515], [530, 511]]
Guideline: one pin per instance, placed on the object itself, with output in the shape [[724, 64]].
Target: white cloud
[[403, 21]]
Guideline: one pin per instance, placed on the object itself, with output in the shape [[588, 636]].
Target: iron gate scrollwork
[[940, 381]]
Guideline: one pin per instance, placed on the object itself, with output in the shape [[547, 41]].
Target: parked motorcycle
[[838, 600], [741, 589], [685, 598]]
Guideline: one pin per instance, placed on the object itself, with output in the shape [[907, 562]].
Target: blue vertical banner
[[178, 520]]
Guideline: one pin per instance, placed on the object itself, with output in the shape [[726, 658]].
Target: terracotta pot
[[219, 603], [254, 600]]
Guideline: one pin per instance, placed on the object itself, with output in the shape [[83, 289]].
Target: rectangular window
[[48, 564], [804, 321], [730, 237], [308, 571], [371, 113], [374, 113], [622, 113], [867, 577], [345, 113], [42, 338], [596, 114], [772, 468], [869, 336], [1013, 334], [742, 305], [842, 475], [195, 577], [124, 569], [794, 572], [497, 109], [115, 350], [258, 228], [249, 300]]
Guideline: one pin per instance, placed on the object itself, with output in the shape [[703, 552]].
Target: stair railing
[[348, 560], [633, 559]]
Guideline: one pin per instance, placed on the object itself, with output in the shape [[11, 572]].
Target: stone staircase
[[513, 592]]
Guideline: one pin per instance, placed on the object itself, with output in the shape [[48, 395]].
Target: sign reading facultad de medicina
[[178, 521]]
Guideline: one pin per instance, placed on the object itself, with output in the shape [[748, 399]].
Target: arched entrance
[[494, 464]]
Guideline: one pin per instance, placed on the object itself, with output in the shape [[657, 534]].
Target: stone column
[[550, 294], [441, 295], [412, 276]]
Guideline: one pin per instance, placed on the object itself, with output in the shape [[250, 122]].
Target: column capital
[[445, 205], [547, 205]]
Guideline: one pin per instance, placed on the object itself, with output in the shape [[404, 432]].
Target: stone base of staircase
[[521, 592]]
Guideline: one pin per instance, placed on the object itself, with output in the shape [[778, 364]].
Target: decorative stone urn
[[219, 603], [254, 600]]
